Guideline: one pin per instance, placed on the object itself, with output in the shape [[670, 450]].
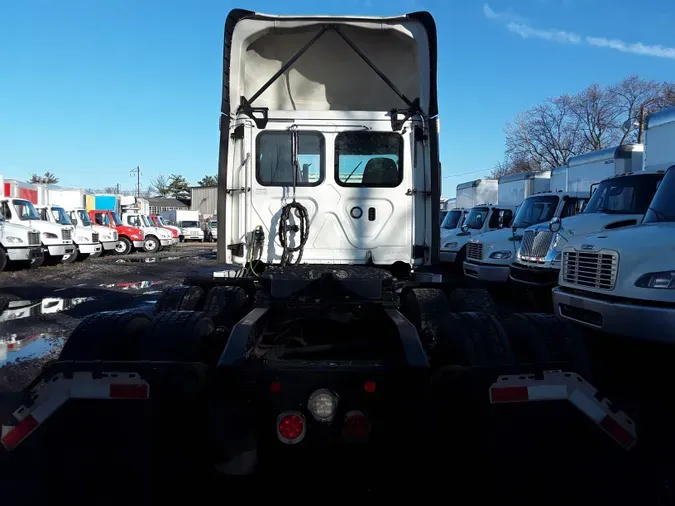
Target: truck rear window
[[368, 159], [275, 151]]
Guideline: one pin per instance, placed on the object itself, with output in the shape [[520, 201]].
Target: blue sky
[[91, 88]]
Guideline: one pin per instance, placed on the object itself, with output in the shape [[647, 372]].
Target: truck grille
[[67, 234], [535, 243], [94, 237], [33, 238], [590, 269], [474, 250]]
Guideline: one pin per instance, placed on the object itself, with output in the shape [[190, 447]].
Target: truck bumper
[[533, 276], [22, 254], [166, 242], [138, 244], [448, 256], [175, 240], [109, 245], [636, 321], [88, 249], [487, 272], [61, 250]]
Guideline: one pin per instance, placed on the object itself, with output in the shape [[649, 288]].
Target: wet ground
[[39, 308]]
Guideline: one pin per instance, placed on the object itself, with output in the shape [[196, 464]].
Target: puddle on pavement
[[37, 345], [133, 285]]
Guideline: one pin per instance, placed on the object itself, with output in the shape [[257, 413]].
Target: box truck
[[187, 221]]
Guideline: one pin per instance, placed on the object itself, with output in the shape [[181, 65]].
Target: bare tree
[[598, 115], [547, 135], [512, 167], [636, 98], [160, 186], [48, 178]]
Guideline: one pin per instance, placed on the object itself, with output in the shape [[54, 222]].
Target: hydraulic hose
[[286, 227]]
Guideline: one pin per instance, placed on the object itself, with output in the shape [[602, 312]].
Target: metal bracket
[[230, 191], [413, 191]]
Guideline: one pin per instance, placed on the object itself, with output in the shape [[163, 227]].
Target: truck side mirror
[[555, 225], [465, 228]]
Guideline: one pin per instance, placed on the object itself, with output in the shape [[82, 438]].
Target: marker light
[[322, 404], [291, 427], [357, 426]]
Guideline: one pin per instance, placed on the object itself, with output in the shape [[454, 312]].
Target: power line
[[466, 173]]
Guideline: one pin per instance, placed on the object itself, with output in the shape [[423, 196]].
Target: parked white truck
[[487, 253], [107, 237], [155, 239], [472, 213], [618, 201], [187, 221], [85, 238], [211, 229], [56, 240], [622, 282], [18, 243]]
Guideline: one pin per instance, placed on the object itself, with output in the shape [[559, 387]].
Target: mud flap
[[108, 433]]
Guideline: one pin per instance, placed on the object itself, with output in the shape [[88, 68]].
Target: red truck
[[157, 221], [129, 238]]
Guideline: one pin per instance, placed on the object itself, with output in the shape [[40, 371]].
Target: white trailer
[[514, 188], [65, 198], [187, 221], [477, 192], [591, 168], [559, 177]]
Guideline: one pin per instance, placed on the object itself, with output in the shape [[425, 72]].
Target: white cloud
[[517, 25]]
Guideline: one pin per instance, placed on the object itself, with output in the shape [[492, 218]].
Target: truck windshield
[[145, 221], [662, 207], [451, 219], [190, 224], [476, 217], [25, 210], [624, 195], [536, 210], [116, 219], [82, 216], [60, 216]]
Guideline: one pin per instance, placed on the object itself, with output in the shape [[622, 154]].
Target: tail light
[[356, 427], [291, 427]]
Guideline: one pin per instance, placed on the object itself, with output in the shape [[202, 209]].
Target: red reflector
[[622, 436], [20, 432], [356, 426], [291, 427], [127, 391], [275, 387], [509, 394], [369, 386]]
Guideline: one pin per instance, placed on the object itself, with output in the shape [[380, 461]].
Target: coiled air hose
[[286, 227]]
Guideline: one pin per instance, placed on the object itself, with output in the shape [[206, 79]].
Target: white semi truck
[[86, 239], [475, 201], [155, 238], [107, 237], [56, 240], [187, 221], [618, 201]]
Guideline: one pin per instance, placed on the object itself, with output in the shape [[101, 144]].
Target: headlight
[[501, 255], [556, 240], [115, 236], [83, 239], [450, 245], [662, 280], [14, 240], [49, 235]]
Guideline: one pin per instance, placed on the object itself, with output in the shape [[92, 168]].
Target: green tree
[[178, 187], [48, 178], [208, 181]]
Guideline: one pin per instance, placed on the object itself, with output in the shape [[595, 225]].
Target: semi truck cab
[[18, 243], [617, 202], [490, 255], [155, 238], [129, 238], [107, 237]]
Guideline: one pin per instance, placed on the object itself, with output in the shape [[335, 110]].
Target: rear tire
[[180, 298], [543, 339], [123, 246], [226, 305], [3, 260], [472, 299], [470, 340], [179, 336], [424, 308], [35, 263], [111, 335]]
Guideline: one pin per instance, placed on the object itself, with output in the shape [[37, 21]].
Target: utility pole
[[137, 171], [118, 189]]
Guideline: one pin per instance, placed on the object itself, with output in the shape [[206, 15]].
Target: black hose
[[286, 227]]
